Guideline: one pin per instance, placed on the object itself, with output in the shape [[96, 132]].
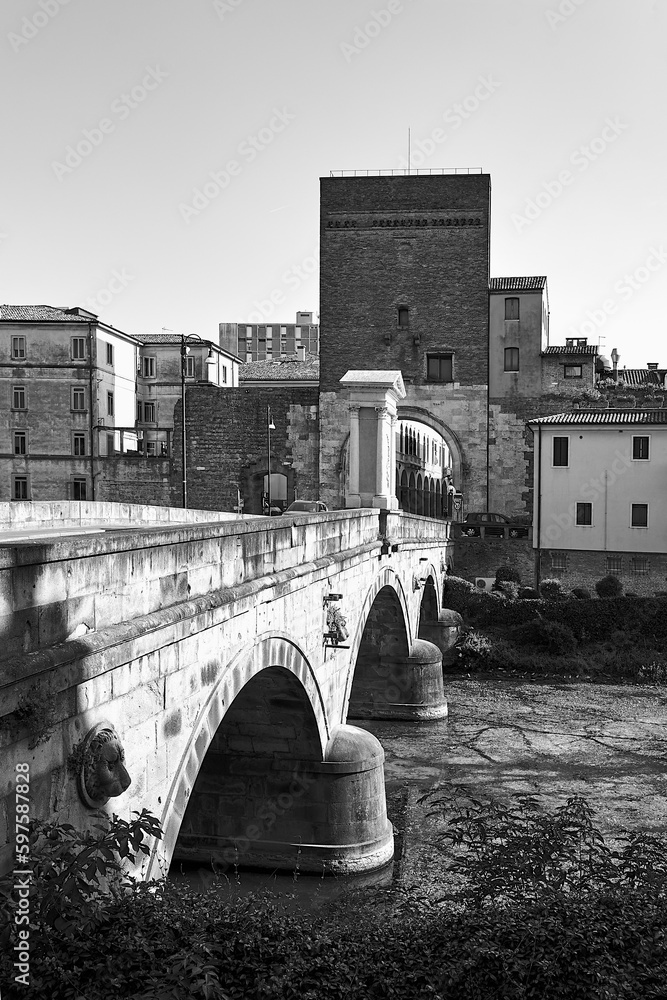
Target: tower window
[[440, 367], [403, 317]]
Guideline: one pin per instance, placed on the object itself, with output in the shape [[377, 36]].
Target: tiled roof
[[643, 376], [288, 369], [168, 338], [41, 314], [628, 416], [589, 349], [535, 284]]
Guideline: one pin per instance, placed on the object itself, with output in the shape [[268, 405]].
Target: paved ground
[[605, 742]]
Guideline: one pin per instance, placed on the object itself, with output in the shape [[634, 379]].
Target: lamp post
[[270, 426], [187, 338]]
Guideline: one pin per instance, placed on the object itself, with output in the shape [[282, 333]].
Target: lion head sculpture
[[102, 774]]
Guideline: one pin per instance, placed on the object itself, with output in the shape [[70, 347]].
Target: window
[[151, 448], [79, 444], [140, 411], [18, 397], [614, 565], [511, 308], [18, 348], [511, 359], [78, 348], [572, 371], [20, 443], [639, 515], [110, 354], [577, 342], [640, 448], [584, 514], [79, 488], [149, 413], [439, 367], [190, 367], [20, 488], [110, 404], [78, 398], [148, 367], [561, 451], [223, 374], [403, 317], [639, 566], [111, 444], [559, 562]]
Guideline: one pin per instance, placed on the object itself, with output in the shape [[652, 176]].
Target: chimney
[[301, 353], [614, 359]]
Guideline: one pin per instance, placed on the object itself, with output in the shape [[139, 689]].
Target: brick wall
[[584, 569], [390, 241], [482, 556], [227, 442], [135, 480]]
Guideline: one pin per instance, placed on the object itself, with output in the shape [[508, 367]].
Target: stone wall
[[227, 442]]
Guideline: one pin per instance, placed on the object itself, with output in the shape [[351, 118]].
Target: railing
[[406, 172]]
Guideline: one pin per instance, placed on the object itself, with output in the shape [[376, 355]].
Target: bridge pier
[[325, 816], [399, 686], [443, 633]]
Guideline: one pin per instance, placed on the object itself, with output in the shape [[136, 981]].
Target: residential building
[[67, 381], [600, 482], [267, 341]]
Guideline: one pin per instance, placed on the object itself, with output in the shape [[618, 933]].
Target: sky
[[161, 158]]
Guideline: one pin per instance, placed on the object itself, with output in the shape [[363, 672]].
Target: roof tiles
[[534, 284], [627, 416]]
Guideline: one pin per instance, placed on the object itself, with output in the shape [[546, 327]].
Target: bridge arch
[[270, 651], [392, 674]]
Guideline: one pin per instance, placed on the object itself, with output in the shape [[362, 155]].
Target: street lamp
[[187, 338], [270, 426]]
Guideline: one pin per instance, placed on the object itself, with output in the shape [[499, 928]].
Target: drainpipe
[[538, 507], [606, 489], [90, 412]]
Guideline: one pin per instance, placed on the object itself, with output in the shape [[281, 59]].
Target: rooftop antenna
[[408, 151]]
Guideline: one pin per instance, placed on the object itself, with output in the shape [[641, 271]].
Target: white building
[[600, 484]]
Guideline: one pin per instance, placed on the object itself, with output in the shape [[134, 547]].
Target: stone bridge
[[216, 653]]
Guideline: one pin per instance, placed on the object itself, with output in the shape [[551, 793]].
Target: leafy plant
[[551, 590], [552, 637], [581, 593], [609, 586]]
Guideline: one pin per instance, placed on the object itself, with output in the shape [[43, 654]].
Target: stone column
[[382, 491], [352, 497]]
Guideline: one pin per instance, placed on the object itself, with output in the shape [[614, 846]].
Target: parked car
[[494, 524], [306, 507]]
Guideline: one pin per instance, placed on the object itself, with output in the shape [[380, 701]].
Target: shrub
[[529, 594], [507, 587], [581, 594], [551, 590], [457, 593], [609, 586], [508, 573], [552, 637], [473, 647]]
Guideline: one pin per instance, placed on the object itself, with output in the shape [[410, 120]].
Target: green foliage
[[609, 586], [508, 588], [33, 713], [508, 573], [529, 594], [552, 637], [581, 594], [544, 910], [473, 649], [551, 590]]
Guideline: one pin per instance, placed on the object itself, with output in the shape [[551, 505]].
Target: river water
[[607, 743]]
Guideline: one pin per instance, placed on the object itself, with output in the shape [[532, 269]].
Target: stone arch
[[411, 412], [274, 650], [386, 578]]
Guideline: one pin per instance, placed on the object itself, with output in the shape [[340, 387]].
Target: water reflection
[[296, 891]]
